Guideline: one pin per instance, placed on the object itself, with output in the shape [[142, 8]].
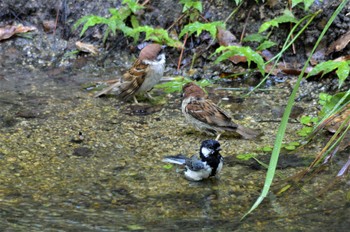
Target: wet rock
[[82, 152]]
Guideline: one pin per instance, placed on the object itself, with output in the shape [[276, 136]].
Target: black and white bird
[[209, 163]]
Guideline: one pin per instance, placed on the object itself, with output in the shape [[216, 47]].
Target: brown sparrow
[[145, 73], [206, 116]]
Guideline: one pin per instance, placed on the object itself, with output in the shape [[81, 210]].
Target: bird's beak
[[218, 149]]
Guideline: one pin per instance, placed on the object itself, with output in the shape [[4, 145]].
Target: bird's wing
[[176, 159], [206, 111], [133, 79], [194, 164], [130, 83]]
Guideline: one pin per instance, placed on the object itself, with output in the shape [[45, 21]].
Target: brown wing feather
[[206, 111], [133, 79]]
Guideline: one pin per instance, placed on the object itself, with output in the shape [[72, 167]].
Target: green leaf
[[305, 131], [255, 38], [245, 157], [168, 166], [332, 101], [342, 68], [294, 144], [287, 17], [307, 3], [265, 45], [200, 27], [188, 4], [305, 119], [266, 149], [176, 84], [251, 55], [158, 35], [133, 5], [290, 147]]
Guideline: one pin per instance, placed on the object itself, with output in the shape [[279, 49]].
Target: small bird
[[206, 116], [144, 74], [208, 164]]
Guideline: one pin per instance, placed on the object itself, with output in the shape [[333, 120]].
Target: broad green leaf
[[342, 68], [305, 119], [266, 149], [294, 143], [332, 102], [158, 35], [251, 55], [188, 4], [265, 45], [135, 24], [307, 3], [255, 38], [200, 27], [133, 5], [287, 17], [305, 131], [247, 156], [92, 21], [343, 72], [290, 147]]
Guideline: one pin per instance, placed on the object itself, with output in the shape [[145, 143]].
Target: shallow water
[[74, 163]]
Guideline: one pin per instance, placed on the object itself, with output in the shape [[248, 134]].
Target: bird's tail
[[247, 133], [176, 159], [112, 88]]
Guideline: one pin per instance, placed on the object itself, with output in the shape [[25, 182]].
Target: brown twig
[[245, 25], [182, 51], [176, 21], [56, 22], [145, 2]]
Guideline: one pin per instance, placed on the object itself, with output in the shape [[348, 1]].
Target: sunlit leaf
[[245, 157], [188, 4], [287, 17], [305, 131], [255, 38], [158, 35], [198, 28], [332, 101], [265, 45], [342, 68], [266, 149], [305, 119], [307, 3], [133, 5], [250, 54]]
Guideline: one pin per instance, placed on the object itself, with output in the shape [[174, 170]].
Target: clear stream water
[[70, 162]]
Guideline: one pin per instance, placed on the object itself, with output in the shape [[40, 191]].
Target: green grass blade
[[282, 128]]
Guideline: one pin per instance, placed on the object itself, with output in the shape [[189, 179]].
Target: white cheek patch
[[206, 152]]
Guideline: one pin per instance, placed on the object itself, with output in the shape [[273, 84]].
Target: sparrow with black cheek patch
[[208, 164], [145, 73], [206, 116]]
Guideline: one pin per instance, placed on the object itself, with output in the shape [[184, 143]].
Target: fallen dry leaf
[[339, 44], [89, 48], [226, 38], [8, 31]]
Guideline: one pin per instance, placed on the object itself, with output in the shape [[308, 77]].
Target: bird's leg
[[149, 96], [218, 137], [135, 100]]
